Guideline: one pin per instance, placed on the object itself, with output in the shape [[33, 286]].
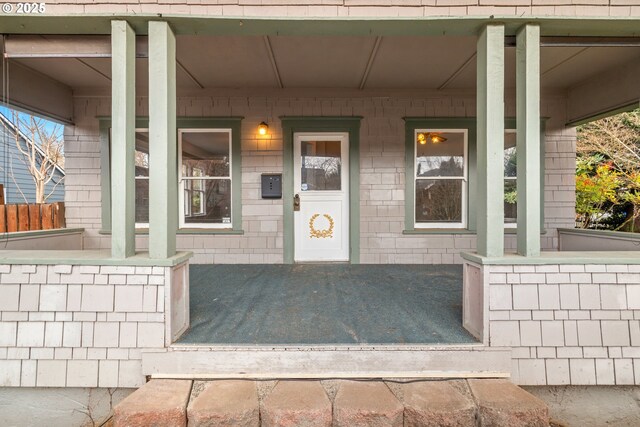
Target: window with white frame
[[142, 178], [205, 178], [510, 179], [440, 179]]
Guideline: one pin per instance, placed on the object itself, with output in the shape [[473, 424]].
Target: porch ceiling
[[390, 62]]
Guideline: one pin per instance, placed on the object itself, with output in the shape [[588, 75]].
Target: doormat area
[[326, 304]]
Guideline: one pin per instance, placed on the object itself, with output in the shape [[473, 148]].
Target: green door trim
[[350, 125]]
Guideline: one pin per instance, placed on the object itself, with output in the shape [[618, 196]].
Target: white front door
[[321, 193]]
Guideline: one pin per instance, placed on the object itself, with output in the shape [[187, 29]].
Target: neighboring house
[[19, 186], [389, 126]]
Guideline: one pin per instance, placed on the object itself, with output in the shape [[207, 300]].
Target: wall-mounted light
[[263, 128], [430, 136]]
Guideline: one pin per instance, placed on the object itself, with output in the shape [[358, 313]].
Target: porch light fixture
[[263, 128], [434, 137]]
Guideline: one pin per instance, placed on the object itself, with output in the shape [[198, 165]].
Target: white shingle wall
[[79, 326], [353, 8], [381, 175], [567, 324]]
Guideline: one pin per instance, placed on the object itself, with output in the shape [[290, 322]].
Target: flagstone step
[[354, 403]]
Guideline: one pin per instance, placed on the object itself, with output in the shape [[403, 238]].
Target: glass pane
[[510, 169], [208, 201], [142, 200], [510, 201], [439, 200], [142, 153], [439, 153], [205, 153], [321, 165]]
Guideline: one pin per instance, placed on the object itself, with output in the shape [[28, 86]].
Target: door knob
[[296, 203]]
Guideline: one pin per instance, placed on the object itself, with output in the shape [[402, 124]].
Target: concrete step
[[385, 361], [459, 403]]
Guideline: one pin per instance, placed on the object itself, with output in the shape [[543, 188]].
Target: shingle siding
[[381, 160]]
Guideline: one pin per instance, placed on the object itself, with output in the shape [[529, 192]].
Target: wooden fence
[[26, 217]]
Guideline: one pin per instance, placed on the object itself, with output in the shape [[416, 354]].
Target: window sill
[[198, 231], [437, 231], [445, 231]]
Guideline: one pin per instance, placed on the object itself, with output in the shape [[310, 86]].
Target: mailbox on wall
[[271, 186]]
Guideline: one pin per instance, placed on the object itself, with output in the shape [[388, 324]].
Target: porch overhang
[[422, 26]]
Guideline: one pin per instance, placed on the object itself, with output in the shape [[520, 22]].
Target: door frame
[[349, 125]]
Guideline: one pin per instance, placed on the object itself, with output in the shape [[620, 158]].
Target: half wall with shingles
[[575, 324], [76, 325]]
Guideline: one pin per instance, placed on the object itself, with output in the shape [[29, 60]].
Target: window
[[440, 178], [205, 178], [510, 179], [142, 178]]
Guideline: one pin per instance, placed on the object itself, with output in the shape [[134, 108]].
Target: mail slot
[[271, 186]]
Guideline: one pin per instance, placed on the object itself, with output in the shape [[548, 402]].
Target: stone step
[[459, 403], [158, 403]]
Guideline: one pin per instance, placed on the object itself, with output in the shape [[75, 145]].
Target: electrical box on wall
[[271, 186]]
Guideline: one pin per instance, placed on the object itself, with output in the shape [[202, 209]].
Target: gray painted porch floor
[[326, 304]]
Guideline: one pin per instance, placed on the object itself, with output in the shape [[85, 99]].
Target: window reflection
[[440, 166], [321, 165]]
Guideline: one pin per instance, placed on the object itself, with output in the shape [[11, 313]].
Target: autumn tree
[[608, 173], [40, 145]]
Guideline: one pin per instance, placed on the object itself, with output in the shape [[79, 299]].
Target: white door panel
[[321, 180]]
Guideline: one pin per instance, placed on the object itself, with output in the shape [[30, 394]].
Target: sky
[[49, 125]]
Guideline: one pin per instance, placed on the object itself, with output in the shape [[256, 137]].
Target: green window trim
[[233, 123], [468, 123], [348, 124]]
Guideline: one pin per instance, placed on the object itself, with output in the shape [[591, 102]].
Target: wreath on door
[[320, 234]]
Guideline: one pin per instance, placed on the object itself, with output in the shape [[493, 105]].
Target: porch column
[[528, 138], [490, 141], [123, 115], [163, 178]]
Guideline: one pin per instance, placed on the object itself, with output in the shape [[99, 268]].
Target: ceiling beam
[[457, 72], [549, 41], [564, 61], [272, 59], [188, 73], [48, 46], [372, 57]]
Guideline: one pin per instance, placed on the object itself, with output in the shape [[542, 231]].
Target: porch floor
[[326, 304]]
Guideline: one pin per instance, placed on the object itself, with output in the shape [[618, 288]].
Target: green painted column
[[123, 77], [528, 138], [163, 179], [490, 141]]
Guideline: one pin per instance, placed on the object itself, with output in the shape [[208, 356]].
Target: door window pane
[[207, 201], [206, 153], [439, 200], [321, 165], [440, 153]]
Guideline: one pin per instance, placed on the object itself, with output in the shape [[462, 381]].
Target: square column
[[163, 167], [490, 141], [123, 116], [528, 138]]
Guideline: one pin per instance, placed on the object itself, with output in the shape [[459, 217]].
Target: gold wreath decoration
[[321, 234]]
